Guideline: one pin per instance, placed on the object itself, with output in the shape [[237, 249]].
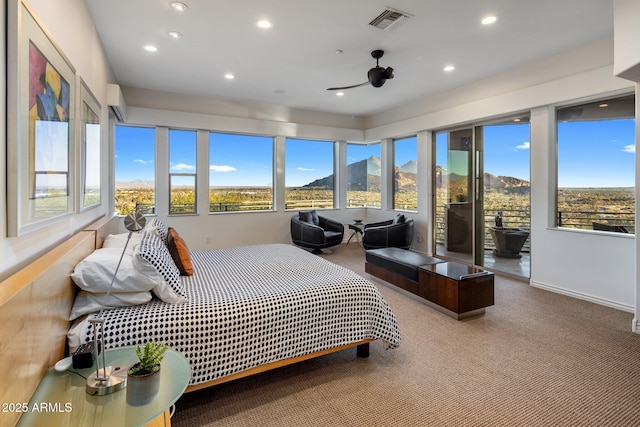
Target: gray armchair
[[310, 230], [393, 233]]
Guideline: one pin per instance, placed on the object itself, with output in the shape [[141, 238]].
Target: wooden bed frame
[[35, 304]]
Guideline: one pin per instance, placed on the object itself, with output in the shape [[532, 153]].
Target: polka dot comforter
[[252, 305]]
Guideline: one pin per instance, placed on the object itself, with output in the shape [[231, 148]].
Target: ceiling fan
[[376, 76]]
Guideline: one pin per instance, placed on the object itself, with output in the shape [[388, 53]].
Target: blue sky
[[596, 154], [358, 152], [135, 153], [591, 154]]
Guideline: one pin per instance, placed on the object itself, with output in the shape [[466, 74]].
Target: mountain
[[365, 175], [362, 175], [505, 184], [410, 167], [138, 183]]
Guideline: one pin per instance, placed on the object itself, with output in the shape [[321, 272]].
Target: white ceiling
[[294, 62]]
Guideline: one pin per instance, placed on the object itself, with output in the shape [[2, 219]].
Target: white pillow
[[95, 272], [87, 302], [119, 240]]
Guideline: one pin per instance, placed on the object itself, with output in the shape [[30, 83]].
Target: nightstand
[[61, 399]]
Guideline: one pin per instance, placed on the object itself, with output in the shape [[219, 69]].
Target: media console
[[455, 289]]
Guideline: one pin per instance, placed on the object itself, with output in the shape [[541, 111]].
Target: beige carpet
[[534, 359]]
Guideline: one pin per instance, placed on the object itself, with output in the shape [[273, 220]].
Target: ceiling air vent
[[389, 18]]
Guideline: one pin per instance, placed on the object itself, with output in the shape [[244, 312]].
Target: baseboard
[[583, 296]]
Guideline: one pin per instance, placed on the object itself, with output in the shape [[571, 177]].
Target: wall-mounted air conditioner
[[115, 100]]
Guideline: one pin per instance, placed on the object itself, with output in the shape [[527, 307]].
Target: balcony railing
[[517, 218], [520, 218], [585, 219]]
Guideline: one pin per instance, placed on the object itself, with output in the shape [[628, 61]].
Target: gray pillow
[[310, 217], [305, 216]]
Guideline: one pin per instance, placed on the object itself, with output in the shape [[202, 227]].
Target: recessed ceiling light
[[516, 120], [264, 23], [175, 34], [489, 20], [603, 105], [150, 48], [178, 6], [339, 93], [449, 68], [229, 76]]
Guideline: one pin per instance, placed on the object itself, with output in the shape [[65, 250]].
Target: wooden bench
[[397, 266]]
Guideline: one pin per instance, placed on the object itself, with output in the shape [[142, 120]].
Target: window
[[309, 178], [50, 189], [135, 169], [363, 175], [240, 172], [405, 172], [596, 165], [90, 146], [182, 171]]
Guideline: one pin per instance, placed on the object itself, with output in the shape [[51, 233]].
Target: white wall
[[69, 23]]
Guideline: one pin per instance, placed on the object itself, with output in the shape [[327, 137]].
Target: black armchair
[[310, 230], [393, 233]]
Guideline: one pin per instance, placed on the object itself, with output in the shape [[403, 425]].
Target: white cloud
[[524, 146], [629, 148], [183, 167], [221, 168], [143, 162], [300, 168]]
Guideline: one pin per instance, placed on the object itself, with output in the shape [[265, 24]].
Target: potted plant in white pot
[[143, 378]]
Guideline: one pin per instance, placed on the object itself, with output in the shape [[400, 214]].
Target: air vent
[[389, 18]]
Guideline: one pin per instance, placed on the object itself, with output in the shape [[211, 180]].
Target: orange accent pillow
[[180, 253]]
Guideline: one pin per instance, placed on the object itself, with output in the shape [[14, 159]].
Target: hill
[[365, 175], [503, 184]]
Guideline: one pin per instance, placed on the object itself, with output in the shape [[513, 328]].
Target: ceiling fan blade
[[348, 87]]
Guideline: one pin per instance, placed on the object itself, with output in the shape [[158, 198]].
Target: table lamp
[[109, 379]]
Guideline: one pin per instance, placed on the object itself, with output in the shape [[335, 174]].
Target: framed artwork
[[40, 113], [90, 148]]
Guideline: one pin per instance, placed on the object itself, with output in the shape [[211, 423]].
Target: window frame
[[334, 147], [153, 209], [271, 203], [555, 220], [392, 173], [184, 174], [379, 192]]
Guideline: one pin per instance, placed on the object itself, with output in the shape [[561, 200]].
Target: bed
[[247, 310], [244, 309]]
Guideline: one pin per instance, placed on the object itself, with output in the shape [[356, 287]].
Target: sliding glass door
[[482, 195]]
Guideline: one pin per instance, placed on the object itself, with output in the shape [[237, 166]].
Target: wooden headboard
[[35, 304]]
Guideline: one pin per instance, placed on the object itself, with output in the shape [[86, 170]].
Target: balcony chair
[[312, 231], [609, 227], [393, 233]]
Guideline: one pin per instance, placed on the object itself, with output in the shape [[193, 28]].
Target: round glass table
[[61, 398]]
